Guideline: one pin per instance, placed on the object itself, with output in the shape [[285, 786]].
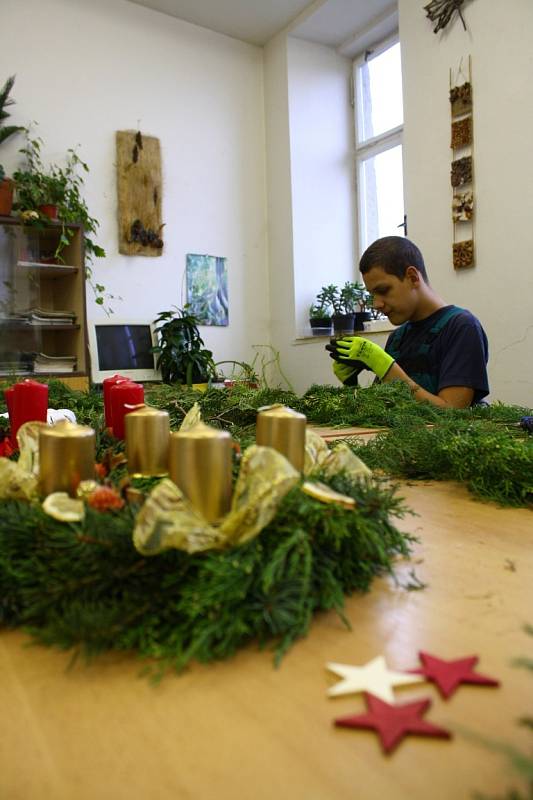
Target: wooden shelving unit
[[33, 286]]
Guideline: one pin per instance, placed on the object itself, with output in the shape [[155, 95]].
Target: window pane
[[380, 93], [381, 196]]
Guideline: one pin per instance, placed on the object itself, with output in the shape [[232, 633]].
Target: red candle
[[8, 394], [125, 396], [29, 404], [107, 383]]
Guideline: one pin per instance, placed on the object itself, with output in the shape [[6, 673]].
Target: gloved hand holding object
[[346, 373], [352, 349]]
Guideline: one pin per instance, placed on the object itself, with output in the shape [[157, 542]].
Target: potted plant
[[343, 302], [6, 184], [350, 308], [320, 313], [364, 305], [56, 193], [242, 374], [181, 356]]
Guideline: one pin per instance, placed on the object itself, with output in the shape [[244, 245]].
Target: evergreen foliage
[[84, 586], [482, 447]]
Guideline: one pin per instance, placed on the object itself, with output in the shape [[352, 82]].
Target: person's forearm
[[396, 373]]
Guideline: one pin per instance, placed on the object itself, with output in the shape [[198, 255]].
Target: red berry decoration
[[105, 499]]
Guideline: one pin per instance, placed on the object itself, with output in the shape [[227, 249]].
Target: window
[[379, 128]]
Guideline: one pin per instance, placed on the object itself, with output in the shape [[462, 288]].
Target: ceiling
[[329, 22]]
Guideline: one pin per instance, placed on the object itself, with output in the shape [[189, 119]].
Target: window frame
[[376, 144]]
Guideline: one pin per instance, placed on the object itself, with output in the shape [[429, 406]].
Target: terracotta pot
[[6, 197], [49, 211]]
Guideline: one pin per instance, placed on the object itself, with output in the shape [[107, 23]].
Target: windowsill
[[374, 326]]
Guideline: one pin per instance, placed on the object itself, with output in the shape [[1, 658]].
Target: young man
[[440, 351]]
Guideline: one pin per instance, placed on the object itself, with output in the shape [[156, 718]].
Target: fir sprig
[[483, 447], [84, 587]]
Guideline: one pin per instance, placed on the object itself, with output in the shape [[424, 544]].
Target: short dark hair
[[393, 254]]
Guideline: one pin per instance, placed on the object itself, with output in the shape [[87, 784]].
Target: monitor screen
[[122, 347]]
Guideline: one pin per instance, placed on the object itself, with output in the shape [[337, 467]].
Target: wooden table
[[241, 729]]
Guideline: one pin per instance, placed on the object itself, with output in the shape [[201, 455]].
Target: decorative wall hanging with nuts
[[139, 194], [462, 167]]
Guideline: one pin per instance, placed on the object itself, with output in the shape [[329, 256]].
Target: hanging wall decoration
[[461, 99], [462, 207], [463, 254], [442, 11], [461, 133], [139, 194], [207, 289], [462, 168], [461, 171]]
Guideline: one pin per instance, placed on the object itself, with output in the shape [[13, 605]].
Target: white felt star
[[373, 677]]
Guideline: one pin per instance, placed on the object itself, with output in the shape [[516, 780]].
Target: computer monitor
[[122, 346]]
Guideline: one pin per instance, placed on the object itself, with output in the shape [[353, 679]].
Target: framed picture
[[207, 288]]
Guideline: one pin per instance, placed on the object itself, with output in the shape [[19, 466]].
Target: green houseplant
[[6, 184], [180, 352], [38, 188], [320, 313], [349, 303]]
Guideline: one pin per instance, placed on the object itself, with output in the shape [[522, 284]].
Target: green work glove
[[355, 348], [345, 373]]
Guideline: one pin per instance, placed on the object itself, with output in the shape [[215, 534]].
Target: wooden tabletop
[[241, 729]]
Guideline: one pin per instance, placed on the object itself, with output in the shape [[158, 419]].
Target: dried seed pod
[[461, 99], [463, 207], [461, 133], [463, 254], [461, 171]]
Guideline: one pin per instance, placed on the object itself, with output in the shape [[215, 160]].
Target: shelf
[[36, 375], [32, 284], [27, 326], [48, 270]]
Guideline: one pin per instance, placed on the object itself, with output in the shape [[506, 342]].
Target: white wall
[[311, 193], [500, 288], [322, 171], [86, 68]]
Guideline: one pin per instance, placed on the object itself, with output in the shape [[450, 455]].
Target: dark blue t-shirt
[[457, 354]]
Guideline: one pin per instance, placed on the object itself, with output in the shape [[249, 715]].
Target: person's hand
[[346, 374], [355, 348]]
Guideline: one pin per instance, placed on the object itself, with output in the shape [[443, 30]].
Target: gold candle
[[199, 463], [147, 438], [283, 429], [66, 457]]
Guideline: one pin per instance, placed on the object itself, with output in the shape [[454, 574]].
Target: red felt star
[[449, 674], [393, 722]]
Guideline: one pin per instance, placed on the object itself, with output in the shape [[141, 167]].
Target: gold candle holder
[[147, 439], [199, 463], [66, 457], [283, 429]]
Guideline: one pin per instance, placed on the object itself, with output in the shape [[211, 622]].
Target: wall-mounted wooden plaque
[[139, 188]]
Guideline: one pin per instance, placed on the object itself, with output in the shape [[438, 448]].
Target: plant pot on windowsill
[[343, 323], [320, 326], [360, 318], [6, 197]]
